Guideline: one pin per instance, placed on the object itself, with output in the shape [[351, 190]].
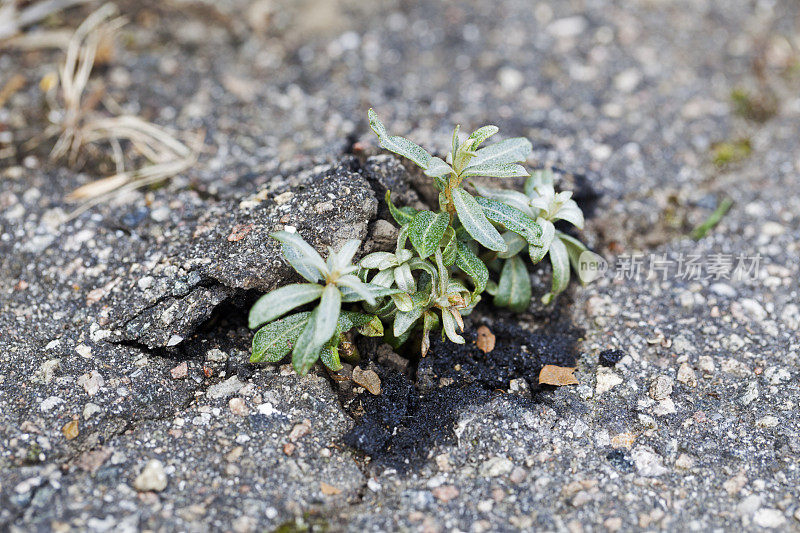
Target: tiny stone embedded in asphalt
[[127, 400]]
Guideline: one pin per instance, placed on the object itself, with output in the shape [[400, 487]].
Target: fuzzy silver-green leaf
[[537, 252], [513, 150], [272, 342], [495, 170], [401, 215], [512, 219], [399, 145], [475, 222], [426, 231], [559, 260], [472, 266], [280, 301], [514, 287]]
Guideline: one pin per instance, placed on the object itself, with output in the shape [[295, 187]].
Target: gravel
[[693, 426]]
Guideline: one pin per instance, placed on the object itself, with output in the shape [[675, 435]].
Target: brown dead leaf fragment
[[557, 375], [485, 340], [329, 490], [367, 379]]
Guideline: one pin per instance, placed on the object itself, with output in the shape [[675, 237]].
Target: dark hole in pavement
[[418, 409]]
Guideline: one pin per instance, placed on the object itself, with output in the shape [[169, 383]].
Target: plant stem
[[713, 219]]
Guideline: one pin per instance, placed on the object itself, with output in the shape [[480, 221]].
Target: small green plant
[[540, 201], [314, 334], [441, 262]]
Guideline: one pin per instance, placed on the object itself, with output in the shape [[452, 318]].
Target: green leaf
[[537, 252], [509, 151], [379, 292], [404, 320], [403, 302], [352, 319], [421, 264], [351, 284], [438, 168], [448, 246], [341, 261], [401, 215], [574, 249], [559, 259], [495, 170], [512, 219], [515, 245], [571, 213], [373, 328], [375, 290], [491, 288], [426, 231], [444, 274], [474, 221], [395, 342], [272, 342], [384, 278], [378, 260], [481, 134], [404, 279], [514, 288], [330, 354], [330, 306], [472, 266], [404, 147], [302, 256], [385, 309], [455, 139], [430, 321], [398, 144], [461, 234], [320, 328], [376, 124], [538, 178], [449, 326], [509, 197], [422, 298], [280, 301]]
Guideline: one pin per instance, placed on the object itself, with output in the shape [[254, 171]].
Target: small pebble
[[445, 493], [686, 375], [496, 466], [706, 364], [180, 371], [607, 379], [152, 478], [70, 429], [661, 388], [238, 407], [300, 430]]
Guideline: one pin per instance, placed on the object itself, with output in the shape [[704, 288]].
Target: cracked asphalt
[[126, 399]]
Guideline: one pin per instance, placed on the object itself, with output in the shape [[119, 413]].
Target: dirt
[[418, 409]]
